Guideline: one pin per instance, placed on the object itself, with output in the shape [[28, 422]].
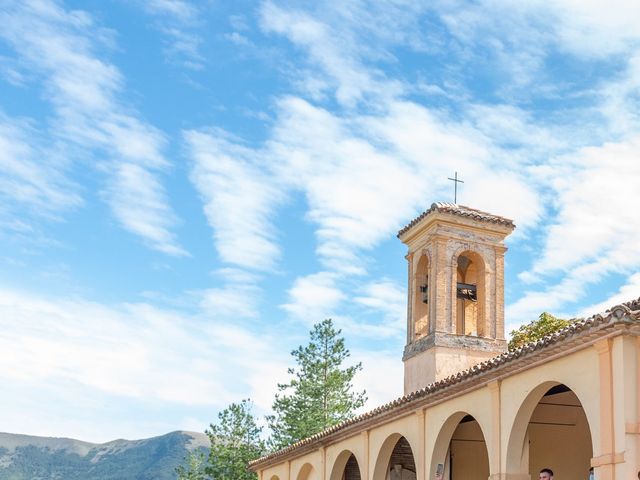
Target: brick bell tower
[[455, 314]]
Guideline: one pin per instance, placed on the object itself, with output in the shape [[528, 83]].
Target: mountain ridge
[[30, 457]]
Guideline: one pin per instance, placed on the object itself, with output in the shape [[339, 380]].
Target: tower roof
[[459, 210]]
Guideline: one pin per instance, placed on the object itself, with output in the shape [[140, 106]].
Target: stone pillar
[[604, 461], [624, 354], [498, 324], [495, 440], [365, 468], [420, 454], [441, 284], [410, 296]]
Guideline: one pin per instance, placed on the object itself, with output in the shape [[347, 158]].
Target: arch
[[274, 477], [523, 441], [346, 467], [461, 435], [307, 472], [421, 290], [470, 294], [394, 446]]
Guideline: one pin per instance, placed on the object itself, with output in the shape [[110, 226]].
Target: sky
[[186, 188]]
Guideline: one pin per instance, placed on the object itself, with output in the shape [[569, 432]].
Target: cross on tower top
[[455, 188]]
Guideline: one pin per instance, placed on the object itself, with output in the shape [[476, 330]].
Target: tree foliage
[[193, 467], [320, 394], [534, 331], [235, 441]]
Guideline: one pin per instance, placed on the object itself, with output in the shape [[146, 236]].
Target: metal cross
[[455, 188]]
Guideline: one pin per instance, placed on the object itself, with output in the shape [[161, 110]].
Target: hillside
[[24, 457]]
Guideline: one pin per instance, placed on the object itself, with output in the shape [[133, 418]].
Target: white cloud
[[595, 232], [184, 11], [31, 176], [232, 301], [595, 201], [177, 19], [519, 37], [381, 376], [134, 350], [314, 297], [60, 46], [387, 297], [130, 351], [630, 290], [239, 199], [139, 201], [620, 99], [82, 353], [332, 50], [330, 295], [596, 27]]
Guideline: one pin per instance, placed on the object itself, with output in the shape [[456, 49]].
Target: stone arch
[[470, 316], [421, 287], [445, 448], [394, 446], [346, 467], [307, 472], [521, 441]]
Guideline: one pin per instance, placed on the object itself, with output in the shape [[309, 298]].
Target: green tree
[[193, 467], [534, 331], [235, 441], [320, 394]]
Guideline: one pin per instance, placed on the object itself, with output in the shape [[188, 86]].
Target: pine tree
[[193, 467], [235, 441], [546, 324], [320, 394]]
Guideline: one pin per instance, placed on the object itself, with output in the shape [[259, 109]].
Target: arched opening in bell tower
[[421, 298], [470, 295]]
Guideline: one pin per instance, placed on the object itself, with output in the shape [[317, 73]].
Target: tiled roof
[[626, 313], [461, 211]]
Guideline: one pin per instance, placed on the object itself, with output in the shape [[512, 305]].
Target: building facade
[[471, 409]]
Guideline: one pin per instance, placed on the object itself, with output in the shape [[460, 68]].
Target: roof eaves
[[459, 210]]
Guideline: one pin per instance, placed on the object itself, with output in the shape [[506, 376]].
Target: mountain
[[24, 457]]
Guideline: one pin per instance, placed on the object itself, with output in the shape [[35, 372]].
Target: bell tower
[[455, 314]]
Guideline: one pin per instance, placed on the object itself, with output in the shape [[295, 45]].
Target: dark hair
[[547, 470]]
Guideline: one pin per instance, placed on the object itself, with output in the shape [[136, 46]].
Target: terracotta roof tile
[[461, 211], [628, 312]]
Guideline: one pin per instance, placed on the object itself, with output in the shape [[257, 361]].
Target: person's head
[[546, 474]]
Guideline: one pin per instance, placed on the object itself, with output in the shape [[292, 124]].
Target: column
[[442, 285], [604, 461], [364, 468], [498, 323], [494, 437], [410, 295], [420, 454]]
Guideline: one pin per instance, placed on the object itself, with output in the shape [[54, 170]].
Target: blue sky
[[186, 188]]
